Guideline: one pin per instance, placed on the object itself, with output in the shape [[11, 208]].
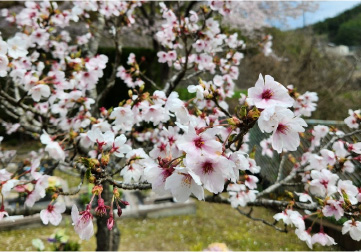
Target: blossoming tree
[[154, 140]]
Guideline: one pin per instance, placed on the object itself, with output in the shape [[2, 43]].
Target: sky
[[326, 9]]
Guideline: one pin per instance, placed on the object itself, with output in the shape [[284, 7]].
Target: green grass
[[212, 223]]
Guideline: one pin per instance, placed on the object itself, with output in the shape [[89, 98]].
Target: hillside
[[343, 29]]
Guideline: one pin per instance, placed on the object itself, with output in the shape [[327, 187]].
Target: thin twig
[[273, 225], [280, 168]]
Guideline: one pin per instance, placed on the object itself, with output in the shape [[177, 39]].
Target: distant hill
[[343, 29]]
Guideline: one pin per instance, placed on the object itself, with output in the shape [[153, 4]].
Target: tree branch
[[273, 225], [135, 186]]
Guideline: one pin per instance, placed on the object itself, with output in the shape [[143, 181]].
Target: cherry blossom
[[194, 143], [17, 47], [119, 147], [211, 171], [102, 139], [182, 183], [39, 91], [53, 213], [267, 93], [333, 208], [83, 223], [4, 175], [323, 182], [266, 145], [54, 149], [354, 228], [353, 121], [323, 239]]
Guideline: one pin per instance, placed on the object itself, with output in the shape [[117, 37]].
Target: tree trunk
[[107, 240]]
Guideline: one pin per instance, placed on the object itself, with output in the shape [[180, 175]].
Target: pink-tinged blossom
[[271, 116], [155, 114], [333, 208], [131, 59], [40, 36], [323, 239], [38, 192], [347, 189], [339, 148], [83, 223], [328, 156], [39, 91], [120, 147], [356, 147], [17, 47], [131, 172], [176, 106], [348, 166], [240, 161], [286, 133], [323, 183], [196, 144], [305, 236], [4, 175], [266, 145], [315, 162], [251, 181], [354, 228], [102, 139], [9, 184], [267, 93], [34, 165], [138, 160], [253, 167], [290, 217], [3, 47], [53, 148], [160, 150], [305, 104], [182, 183], [157, 176], [198, 89], [124, 117], [162, 57], [359, 194], [240, 195], [4, 61], [304, 197], [353, 121], [318, 132], [212, 170], [53, 213], [10, 127]]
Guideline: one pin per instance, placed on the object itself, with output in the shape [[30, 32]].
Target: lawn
[[212, 223]]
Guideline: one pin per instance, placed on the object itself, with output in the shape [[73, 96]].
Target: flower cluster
[[153, 138]]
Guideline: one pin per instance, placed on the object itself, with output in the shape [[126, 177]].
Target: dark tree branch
[[135, 186]]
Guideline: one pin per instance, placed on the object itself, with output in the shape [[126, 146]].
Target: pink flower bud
[[110, 222], [101, 209], [119, 211]]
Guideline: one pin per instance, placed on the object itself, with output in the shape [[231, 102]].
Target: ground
[[212, 223]]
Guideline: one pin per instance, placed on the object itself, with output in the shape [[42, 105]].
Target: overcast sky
[[325, 10]]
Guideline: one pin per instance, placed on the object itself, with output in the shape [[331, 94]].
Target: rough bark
[[107, 240]]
